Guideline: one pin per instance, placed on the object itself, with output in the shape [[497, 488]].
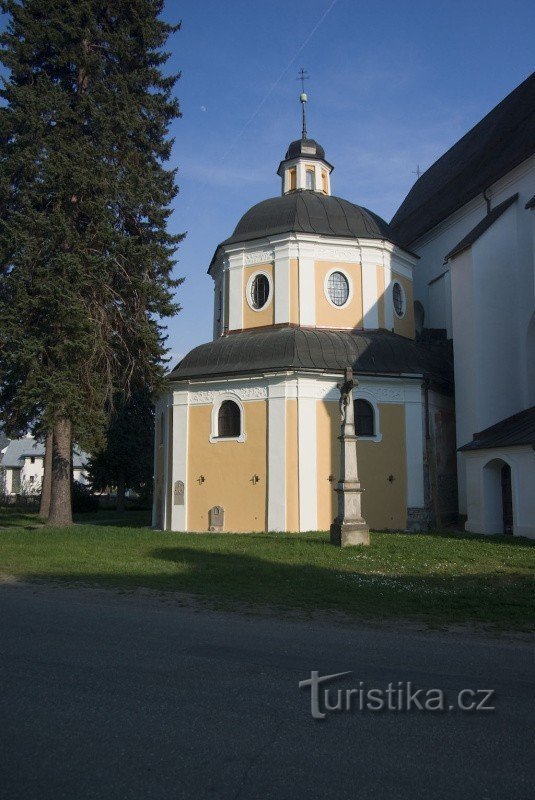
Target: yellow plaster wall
[[294, 290], [228, 468], [405, 325], [292, 467], [266, 315], [327, 315], [384, 504], [381, 295]]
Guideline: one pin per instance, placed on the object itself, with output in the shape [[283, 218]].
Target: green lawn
[[437, 578]]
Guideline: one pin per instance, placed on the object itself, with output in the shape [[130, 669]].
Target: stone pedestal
[[349, 528]]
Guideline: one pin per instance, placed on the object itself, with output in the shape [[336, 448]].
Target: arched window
[[228, 420], [364, 418]]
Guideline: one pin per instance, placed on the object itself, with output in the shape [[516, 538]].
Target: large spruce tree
[[85, 256]]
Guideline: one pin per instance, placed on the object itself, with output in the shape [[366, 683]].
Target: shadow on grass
[[232, 580], [18, 518]]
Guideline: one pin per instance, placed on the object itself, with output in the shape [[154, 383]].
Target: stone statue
[[349, 527]]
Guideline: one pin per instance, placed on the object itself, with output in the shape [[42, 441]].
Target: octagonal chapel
[[247, 431]]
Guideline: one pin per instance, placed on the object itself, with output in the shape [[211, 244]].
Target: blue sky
[[392, 85]]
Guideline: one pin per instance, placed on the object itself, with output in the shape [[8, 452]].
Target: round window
[[398, 296], [338, 288], [259, 291]]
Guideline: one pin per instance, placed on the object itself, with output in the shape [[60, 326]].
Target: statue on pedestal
[[349, 527]]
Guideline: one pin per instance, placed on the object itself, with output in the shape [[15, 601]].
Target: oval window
[[259, 291], [338, 288], [398, 296]]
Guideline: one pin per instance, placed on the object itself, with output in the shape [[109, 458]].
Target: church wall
[[169, 456], [292, 468], [384, 503], [328, 315], [227, 468], [405, 325], [266, 315]]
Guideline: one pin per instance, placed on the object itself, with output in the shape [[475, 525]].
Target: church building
[[247, 431]]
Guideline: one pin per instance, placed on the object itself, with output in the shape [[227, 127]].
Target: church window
[[228, 420], [259, 291], [398, 296], [338, 288], [310, 182], [364, 418], [292, 179]]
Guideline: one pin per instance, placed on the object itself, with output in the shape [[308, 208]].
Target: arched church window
[[259, 291], [310, 179], [398, 297], [364, 418], [228, 420], [338, 288]]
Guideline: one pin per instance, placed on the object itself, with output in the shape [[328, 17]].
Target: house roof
[[512, 431], [314, 349], [481, 227], [497, 144], [19, 449], [305, 211]]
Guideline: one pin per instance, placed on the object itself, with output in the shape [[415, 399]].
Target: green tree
[[86, 258], [127, 461]]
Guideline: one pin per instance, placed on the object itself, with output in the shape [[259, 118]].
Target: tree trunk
[[44, 509], [121, 486], [60, 496]]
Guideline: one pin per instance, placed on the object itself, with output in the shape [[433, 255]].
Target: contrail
[[281, 76]]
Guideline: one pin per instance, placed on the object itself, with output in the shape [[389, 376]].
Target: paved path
[[112, 696]]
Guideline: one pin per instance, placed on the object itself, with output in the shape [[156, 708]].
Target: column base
[[350, 534]]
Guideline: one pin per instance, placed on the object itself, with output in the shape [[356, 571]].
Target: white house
[[23, 464], [471, 220]]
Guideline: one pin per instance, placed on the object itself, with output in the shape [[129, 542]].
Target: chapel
[[307, 285]]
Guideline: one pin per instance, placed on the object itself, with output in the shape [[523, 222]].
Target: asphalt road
[[111, 696]]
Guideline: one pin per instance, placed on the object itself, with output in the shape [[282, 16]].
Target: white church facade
[[471, 220]]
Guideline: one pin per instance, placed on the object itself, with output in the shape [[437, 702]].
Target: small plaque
[[216, 517], [179, 493]]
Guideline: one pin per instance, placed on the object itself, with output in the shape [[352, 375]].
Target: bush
[[83, 501]]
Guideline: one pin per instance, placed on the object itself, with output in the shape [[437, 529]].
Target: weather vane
[[303, 76]]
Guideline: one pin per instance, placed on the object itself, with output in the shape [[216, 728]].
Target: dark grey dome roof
[[305, 147], [368, 352], [304, 211]]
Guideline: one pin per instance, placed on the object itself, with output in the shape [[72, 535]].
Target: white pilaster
[[307, 286], [308, 483], [369, 295], [281, 279], [414, 447], [179, 513], [235, 279], [277, 458], [388, 302]]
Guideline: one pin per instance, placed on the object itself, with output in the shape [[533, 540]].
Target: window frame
[[349, 280], [310, 171], [249, 286], [369, 397], [214, 427], [395, 283]]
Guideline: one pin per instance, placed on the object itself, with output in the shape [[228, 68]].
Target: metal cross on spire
[[303, 76]]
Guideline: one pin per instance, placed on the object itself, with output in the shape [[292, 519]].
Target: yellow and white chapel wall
[[276, 475], [298, 269]]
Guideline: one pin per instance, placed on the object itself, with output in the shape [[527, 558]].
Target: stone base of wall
[[419, 519]]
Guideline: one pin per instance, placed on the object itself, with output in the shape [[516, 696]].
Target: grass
[[437, 578]]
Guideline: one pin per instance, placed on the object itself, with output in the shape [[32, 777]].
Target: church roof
[[305, 211], [497, 144], [305, 147], [481, 227], [315, 349], [512, 431]]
